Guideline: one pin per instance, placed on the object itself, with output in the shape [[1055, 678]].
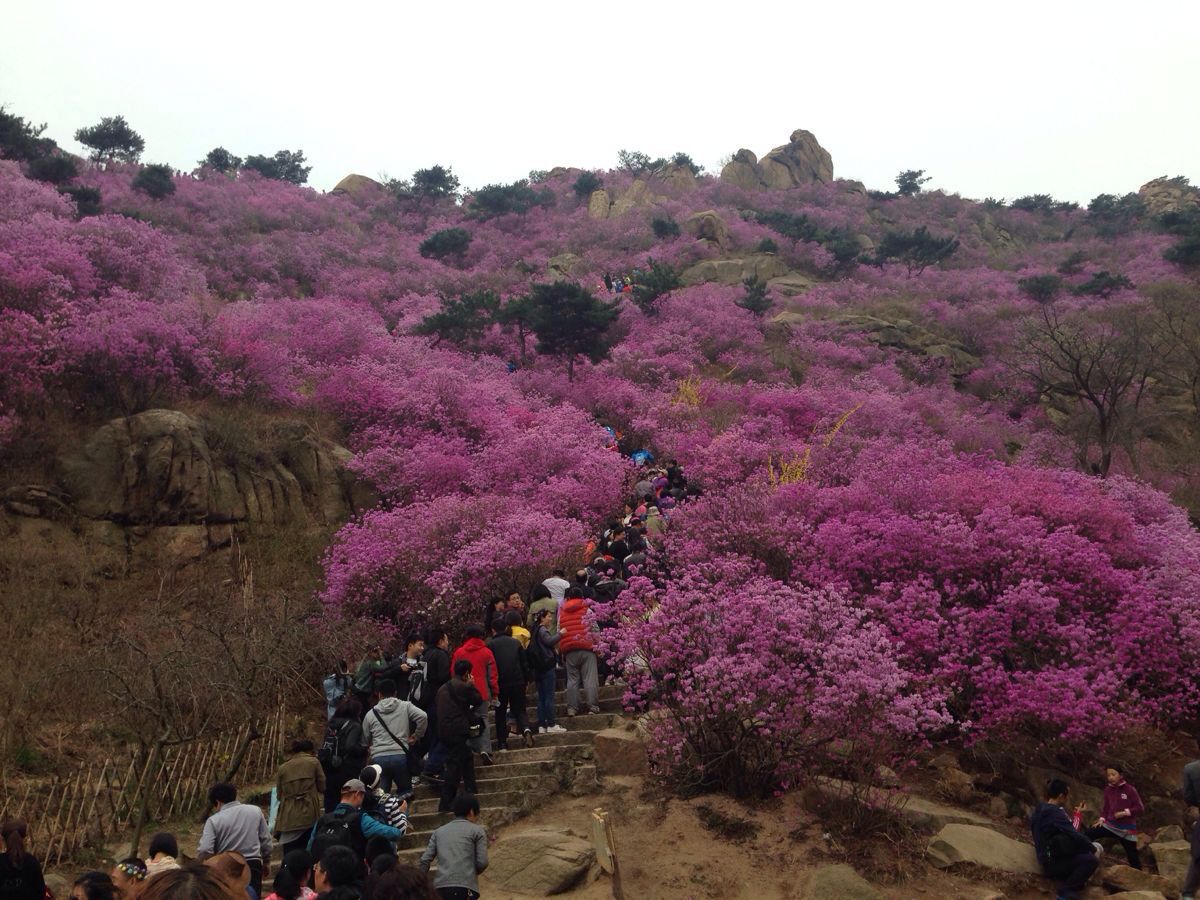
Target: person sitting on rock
[[1065, 854], [1118, 818]]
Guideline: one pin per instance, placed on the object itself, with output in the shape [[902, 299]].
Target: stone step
[[606, 704], [423, 825], [532, 780], [584, 722], [606, 692], [497, 797]]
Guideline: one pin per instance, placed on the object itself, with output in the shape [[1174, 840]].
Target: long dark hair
[[292, 875], [13, 832]]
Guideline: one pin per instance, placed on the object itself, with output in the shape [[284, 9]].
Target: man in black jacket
[[1066, 855], [512, 671], [455, 703], [437, 672]]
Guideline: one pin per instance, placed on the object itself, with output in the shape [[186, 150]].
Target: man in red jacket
[[579, 653], [483, 672]]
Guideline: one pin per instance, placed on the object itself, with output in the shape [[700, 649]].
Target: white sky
[[999, 98]]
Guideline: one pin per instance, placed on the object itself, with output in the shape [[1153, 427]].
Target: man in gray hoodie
[[391, 728], [460, 848]]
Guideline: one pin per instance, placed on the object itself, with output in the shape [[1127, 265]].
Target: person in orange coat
[[578, 652], [484, 674]]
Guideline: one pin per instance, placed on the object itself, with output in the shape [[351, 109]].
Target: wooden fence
[[100, 802]]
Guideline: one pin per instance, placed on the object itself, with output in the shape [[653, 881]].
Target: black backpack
[[340, 828], [331, 753]]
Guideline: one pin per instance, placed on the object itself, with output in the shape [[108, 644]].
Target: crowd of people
[[340, 807]]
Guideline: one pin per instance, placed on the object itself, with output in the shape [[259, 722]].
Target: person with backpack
[[343, 751], [483, 671], [349, 826], [406, 670], [541, 656], [512, 672], [365, 676], [436, 660], [336, 686], [457, 703], [300, 789], [392, 727], [460, 848], [1065, 854], [579, 653]]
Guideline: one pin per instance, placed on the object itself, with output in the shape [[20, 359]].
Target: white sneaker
[[555, 729], [541, 729]]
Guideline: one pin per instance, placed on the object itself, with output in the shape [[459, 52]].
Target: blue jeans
[[395, 772], [545, 704]]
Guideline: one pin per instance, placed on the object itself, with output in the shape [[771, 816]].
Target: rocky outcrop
[[539, 862], [159, 468], [1165, 194], [354, 185], [734, 271], [708, 226], [599, 204], [802, 160], [163, 485], [984, 847]]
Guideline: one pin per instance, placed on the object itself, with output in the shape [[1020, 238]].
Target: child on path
[[460, 848], [1118, 818]]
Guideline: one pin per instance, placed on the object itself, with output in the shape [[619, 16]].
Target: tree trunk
[[570, 368], [239, 756], [150, 779]]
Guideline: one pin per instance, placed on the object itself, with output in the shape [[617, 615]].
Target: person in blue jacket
[[348, 825], [1065, 853]]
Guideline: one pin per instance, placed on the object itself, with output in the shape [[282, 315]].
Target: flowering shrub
[[757, 682]]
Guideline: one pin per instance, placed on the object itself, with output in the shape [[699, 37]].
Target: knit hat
[[370, 776]]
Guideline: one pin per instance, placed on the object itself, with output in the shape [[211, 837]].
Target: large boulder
[[1125, 878], [1173, 858], [599, 204], [734, 271], [838, 881], [980, 846], [741, 171], [802, 160], [1165, 194], [708, 226], [355, 185], [620, 752], [539, 862]]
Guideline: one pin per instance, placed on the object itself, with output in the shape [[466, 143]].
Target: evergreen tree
[[462, 320], [221, 160], [651, 284], [917, 250], [569, 322], [756, 299], [285, 165], [909, 182], [112, 139], [157, 180], [447, 243]]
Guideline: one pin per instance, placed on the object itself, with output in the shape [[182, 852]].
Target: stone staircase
[[522, 778]]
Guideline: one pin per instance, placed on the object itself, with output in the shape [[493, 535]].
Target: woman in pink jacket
[[1118, 818]]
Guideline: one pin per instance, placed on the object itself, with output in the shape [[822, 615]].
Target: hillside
[[943, 450]]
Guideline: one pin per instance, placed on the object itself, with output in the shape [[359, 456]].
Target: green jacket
[[300, 785]]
